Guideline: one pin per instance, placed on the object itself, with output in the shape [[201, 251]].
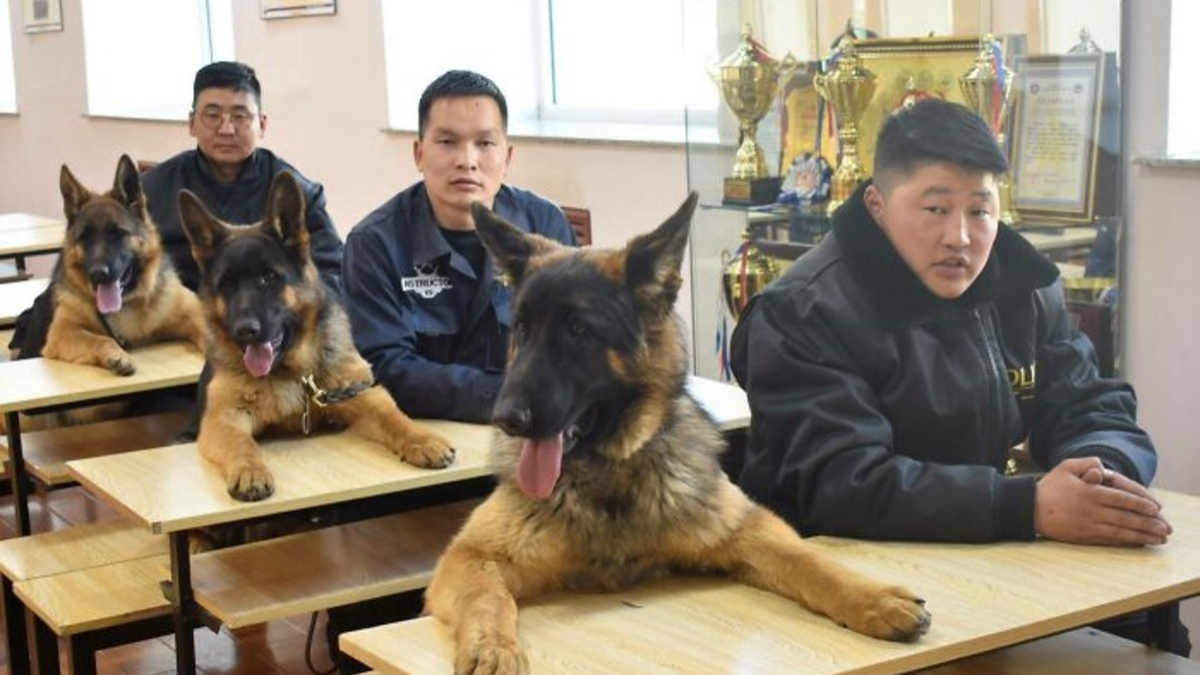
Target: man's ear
[[873, 200], [203, 230], [512, 248], [653, 261]]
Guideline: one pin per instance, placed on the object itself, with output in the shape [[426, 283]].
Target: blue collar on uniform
[[428, 242]]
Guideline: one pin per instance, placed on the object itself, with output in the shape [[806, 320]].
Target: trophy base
[[751, 191]]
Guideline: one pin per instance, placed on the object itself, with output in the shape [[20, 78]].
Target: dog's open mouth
[[109, 294], [541, 459], [260, 357]]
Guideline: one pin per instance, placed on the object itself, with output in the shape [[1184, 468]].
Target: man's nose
[[957, 231]]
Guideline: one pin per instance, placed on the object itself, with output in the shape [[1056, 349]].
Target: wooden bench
[[334, 566], [103, 552], [47, 452], [114, 595]]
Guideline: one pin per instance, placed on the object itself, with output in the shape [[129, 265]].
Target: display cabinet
[[1045, 74]]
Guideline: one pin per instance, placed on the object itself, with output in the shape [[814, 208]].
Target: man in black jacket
[[892, 369]]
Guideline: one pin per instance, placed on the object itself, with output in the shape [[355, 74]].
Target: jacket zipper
[[998, 384]]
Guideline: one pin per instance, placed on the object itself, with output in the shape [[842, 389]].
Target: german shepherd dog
[[114, 286], [280, 347], [608, 471]]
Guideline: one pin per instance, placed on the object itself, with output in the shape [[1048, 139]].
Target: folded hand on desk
[[1081, 502]]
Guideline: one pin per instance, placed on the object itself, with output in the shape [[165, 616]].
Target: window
[[1183, 134], [582, 68], [141, 56], [8, 84]]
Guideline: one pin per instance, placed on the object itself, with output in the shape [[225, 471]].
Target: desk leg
[[17, 473], [181, 580], [16, 638]]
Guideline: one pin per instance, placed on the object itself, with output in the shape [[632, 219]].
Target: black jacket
[[244, 201], [881, 411]]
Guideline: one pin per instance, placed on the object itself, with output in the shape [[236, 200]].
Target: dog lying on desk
[[608, 472]]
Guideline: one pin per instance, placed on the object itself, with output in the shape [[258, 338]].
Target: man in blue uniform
[[424, 302]]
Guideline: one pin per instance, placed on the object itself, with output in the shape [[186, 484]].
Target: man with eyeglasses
[[231, 173]]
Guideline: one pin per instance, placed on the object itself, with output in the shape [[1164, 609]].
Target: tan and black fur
[[110, 239], [596, 376], [273, 323]]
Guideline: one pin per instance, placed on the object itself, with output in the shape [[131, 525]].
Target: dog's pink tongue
[[259, 359], [108, 298], [539, 466]]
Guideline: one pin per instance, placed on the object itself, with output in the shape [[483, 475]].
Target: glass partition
[[1045, 74]]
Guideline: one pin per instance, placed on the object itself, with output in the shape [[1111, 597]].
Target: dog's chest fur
[[619, 517]]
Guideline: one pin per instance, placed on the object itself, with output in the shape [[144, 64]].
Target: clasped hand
[[1081, 502]]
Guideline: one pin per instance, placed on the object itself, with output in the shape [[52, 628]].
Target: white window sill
[[672, 135], [1169, 162]]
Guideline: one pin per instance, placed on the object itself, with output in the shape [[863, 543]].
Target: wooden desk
[[35, 384], [726, 403], [982, 597], [185, 492], [18, 296], [23, 235]]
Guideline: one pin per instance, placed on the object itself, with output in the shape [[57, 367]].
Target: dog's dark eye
[[268, 277], [577, 328]]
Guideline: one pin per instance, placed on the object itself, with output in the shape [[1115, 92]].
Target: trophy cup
[[749, 80], [745, 273], [988, 90], [848, 88]]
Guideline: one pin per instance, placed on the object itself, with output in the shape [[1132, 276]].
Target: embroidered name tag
[[427, 284]]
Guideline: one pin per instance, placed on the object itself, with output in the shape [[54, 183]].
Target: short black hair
[[227, 75], [459, 83], [934, 130]]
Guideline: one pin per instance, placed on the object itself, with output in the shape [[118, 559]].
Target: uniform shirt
[[244, 201], [435, 332]]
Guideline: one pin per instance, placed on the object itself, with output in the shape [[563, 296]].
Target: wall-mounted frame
[[908, 68], [282, 9], [42, 16], [1065, 137]]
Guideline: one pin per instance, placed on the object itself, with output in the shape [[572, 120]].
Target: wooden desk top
[[24, 221], [982, 597], [172, 488], [17, 296], [726, 403], [35, 383], [30, 241]]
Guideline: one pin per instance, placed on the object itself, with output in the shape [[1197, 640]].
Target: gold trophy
[[750, 79], [848, 88], [745, 273], [988, 90]]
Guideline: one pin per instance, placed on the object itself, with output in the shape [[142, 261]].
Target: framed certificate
[[42, 16], [1063, 145], [280, 9]]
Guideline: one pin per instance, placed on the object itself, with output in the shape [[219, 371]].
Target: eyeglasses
[[213, 117]]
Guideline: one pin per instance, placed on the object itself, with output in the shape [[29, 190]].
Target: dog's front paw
[[250, 482], [492, 655], [889, 613], [427, 451], [121, 364]]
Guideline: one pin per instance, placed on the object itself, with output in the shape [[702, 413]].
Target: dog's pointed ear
[[653, 260], [127, 184], [511, 247], [74, 194], [202, 228], [285, 214]]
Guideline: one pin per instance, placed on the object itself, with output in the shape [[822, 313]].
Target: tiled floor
[[278, 648]]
